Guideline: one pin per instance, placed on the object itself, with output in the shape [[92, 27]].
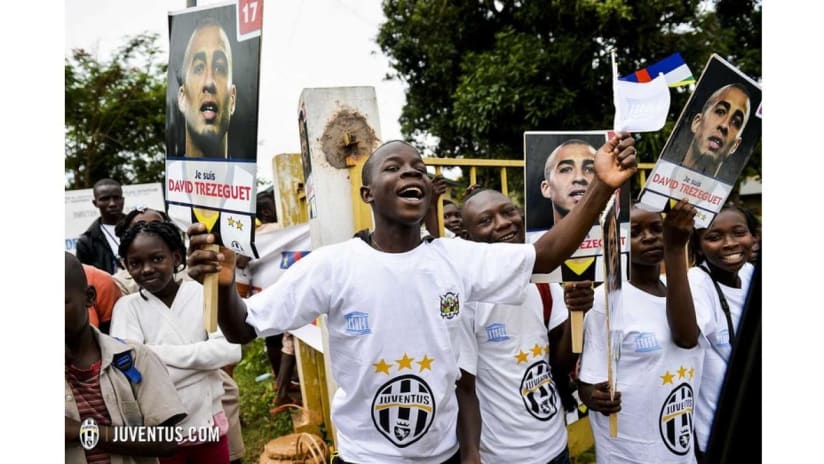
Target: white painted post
[[339, 128]]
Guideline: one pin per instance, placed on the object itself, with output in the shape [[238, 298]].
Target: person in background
[[97, 246]]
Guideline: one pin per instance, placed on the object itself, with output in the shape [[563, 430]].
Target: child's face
[[491, 217], [646, 237], [151, 262], [400, 187], [727, 243], [78, 298]]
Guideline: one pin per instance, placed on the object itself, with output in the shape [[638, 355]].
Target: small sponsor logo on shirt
[[722, 338], [89, 433], [357, 323], [645, 342], [496, 333], [450, 305]]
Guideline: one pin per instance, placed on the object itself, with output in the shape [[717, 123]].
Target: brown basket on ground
[[298, 447]]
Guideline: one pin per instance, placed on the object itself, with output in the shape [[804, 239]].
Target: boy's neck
[[396, 238], [84, 349]]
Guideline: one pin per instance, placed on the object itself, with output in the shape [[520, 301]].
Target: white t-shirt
[[658, 382], [506, 347], [713, 325], [389, 318]]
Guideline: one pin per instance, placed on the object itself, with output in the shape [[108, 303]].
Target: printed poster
[[559, 168], [212, 119], [710, 145], [612, 287]]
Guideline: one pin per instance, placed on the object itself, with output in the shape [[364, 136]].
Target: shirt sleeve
[[299, 296], [156, 394], [466, 342], [594, 356], [493, 273], [704, 298], [213, 353], [125, 325], [560, 312]]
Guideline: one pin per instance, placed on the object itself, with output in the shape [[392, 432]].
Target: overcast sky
[[306, 43]]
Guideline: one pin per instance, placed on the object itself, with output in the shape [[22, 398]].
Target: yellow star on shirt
[[521, 357], [692, 373], [546, 349], [381, 366], [425, 363], [239, 225], [405, 362], [667, 378], [682, 372], [231, 222], [537, 350]]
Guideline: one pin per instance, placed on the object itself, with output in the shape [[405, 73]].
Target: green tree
[[115, 114], [480, 73]]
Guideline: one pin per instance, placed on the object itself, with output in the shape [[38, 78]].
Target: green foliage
[[115, 117], [256, 399], [480, 73]]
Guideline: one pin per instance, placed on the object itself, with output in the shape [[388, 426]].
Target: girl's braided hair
[[166, 230]]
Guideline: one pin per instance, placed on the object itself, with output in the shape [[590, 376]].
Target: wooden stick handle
[[576, 326], [210, 288], [613, 425]]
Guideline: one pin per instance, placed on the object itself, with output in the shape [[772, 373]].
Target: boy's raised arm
[[231, 315]]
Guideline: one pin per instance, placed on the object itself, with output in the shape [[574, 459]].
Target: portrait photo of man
[[559, 168], [717, 129], [568, 171], [207, 95]]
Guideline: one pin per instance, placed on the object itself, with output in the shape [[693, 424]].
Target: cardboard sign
[[710, 145]]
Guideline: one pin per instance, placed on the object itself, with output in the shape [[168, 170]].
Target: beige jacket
[[156, 402]]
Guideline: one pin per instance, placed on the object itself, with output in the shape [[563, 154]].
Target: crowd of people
[[442, 349]]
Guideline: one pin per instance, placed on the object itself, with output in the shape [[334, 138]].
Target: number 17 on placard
[[249, 18]]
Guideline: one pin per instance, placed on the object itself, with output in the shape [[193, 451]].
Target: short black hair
[[369, 165], [75, 274], [124, 222], [106, 181]]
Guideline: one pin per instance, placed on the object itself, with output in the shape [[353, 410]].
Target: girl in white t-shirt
[[720, 282], [167, 316], [659, 367]]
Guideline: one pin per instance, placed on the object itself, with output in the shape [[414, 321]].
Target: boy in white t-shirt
[[512, 354], [391, 302]]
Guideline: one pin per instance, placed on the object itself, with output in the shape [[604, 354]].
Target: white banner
[[80, 212]]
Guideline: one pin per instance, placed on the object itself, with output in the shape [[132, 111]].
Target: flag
[[673, 67], [639, 107]]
